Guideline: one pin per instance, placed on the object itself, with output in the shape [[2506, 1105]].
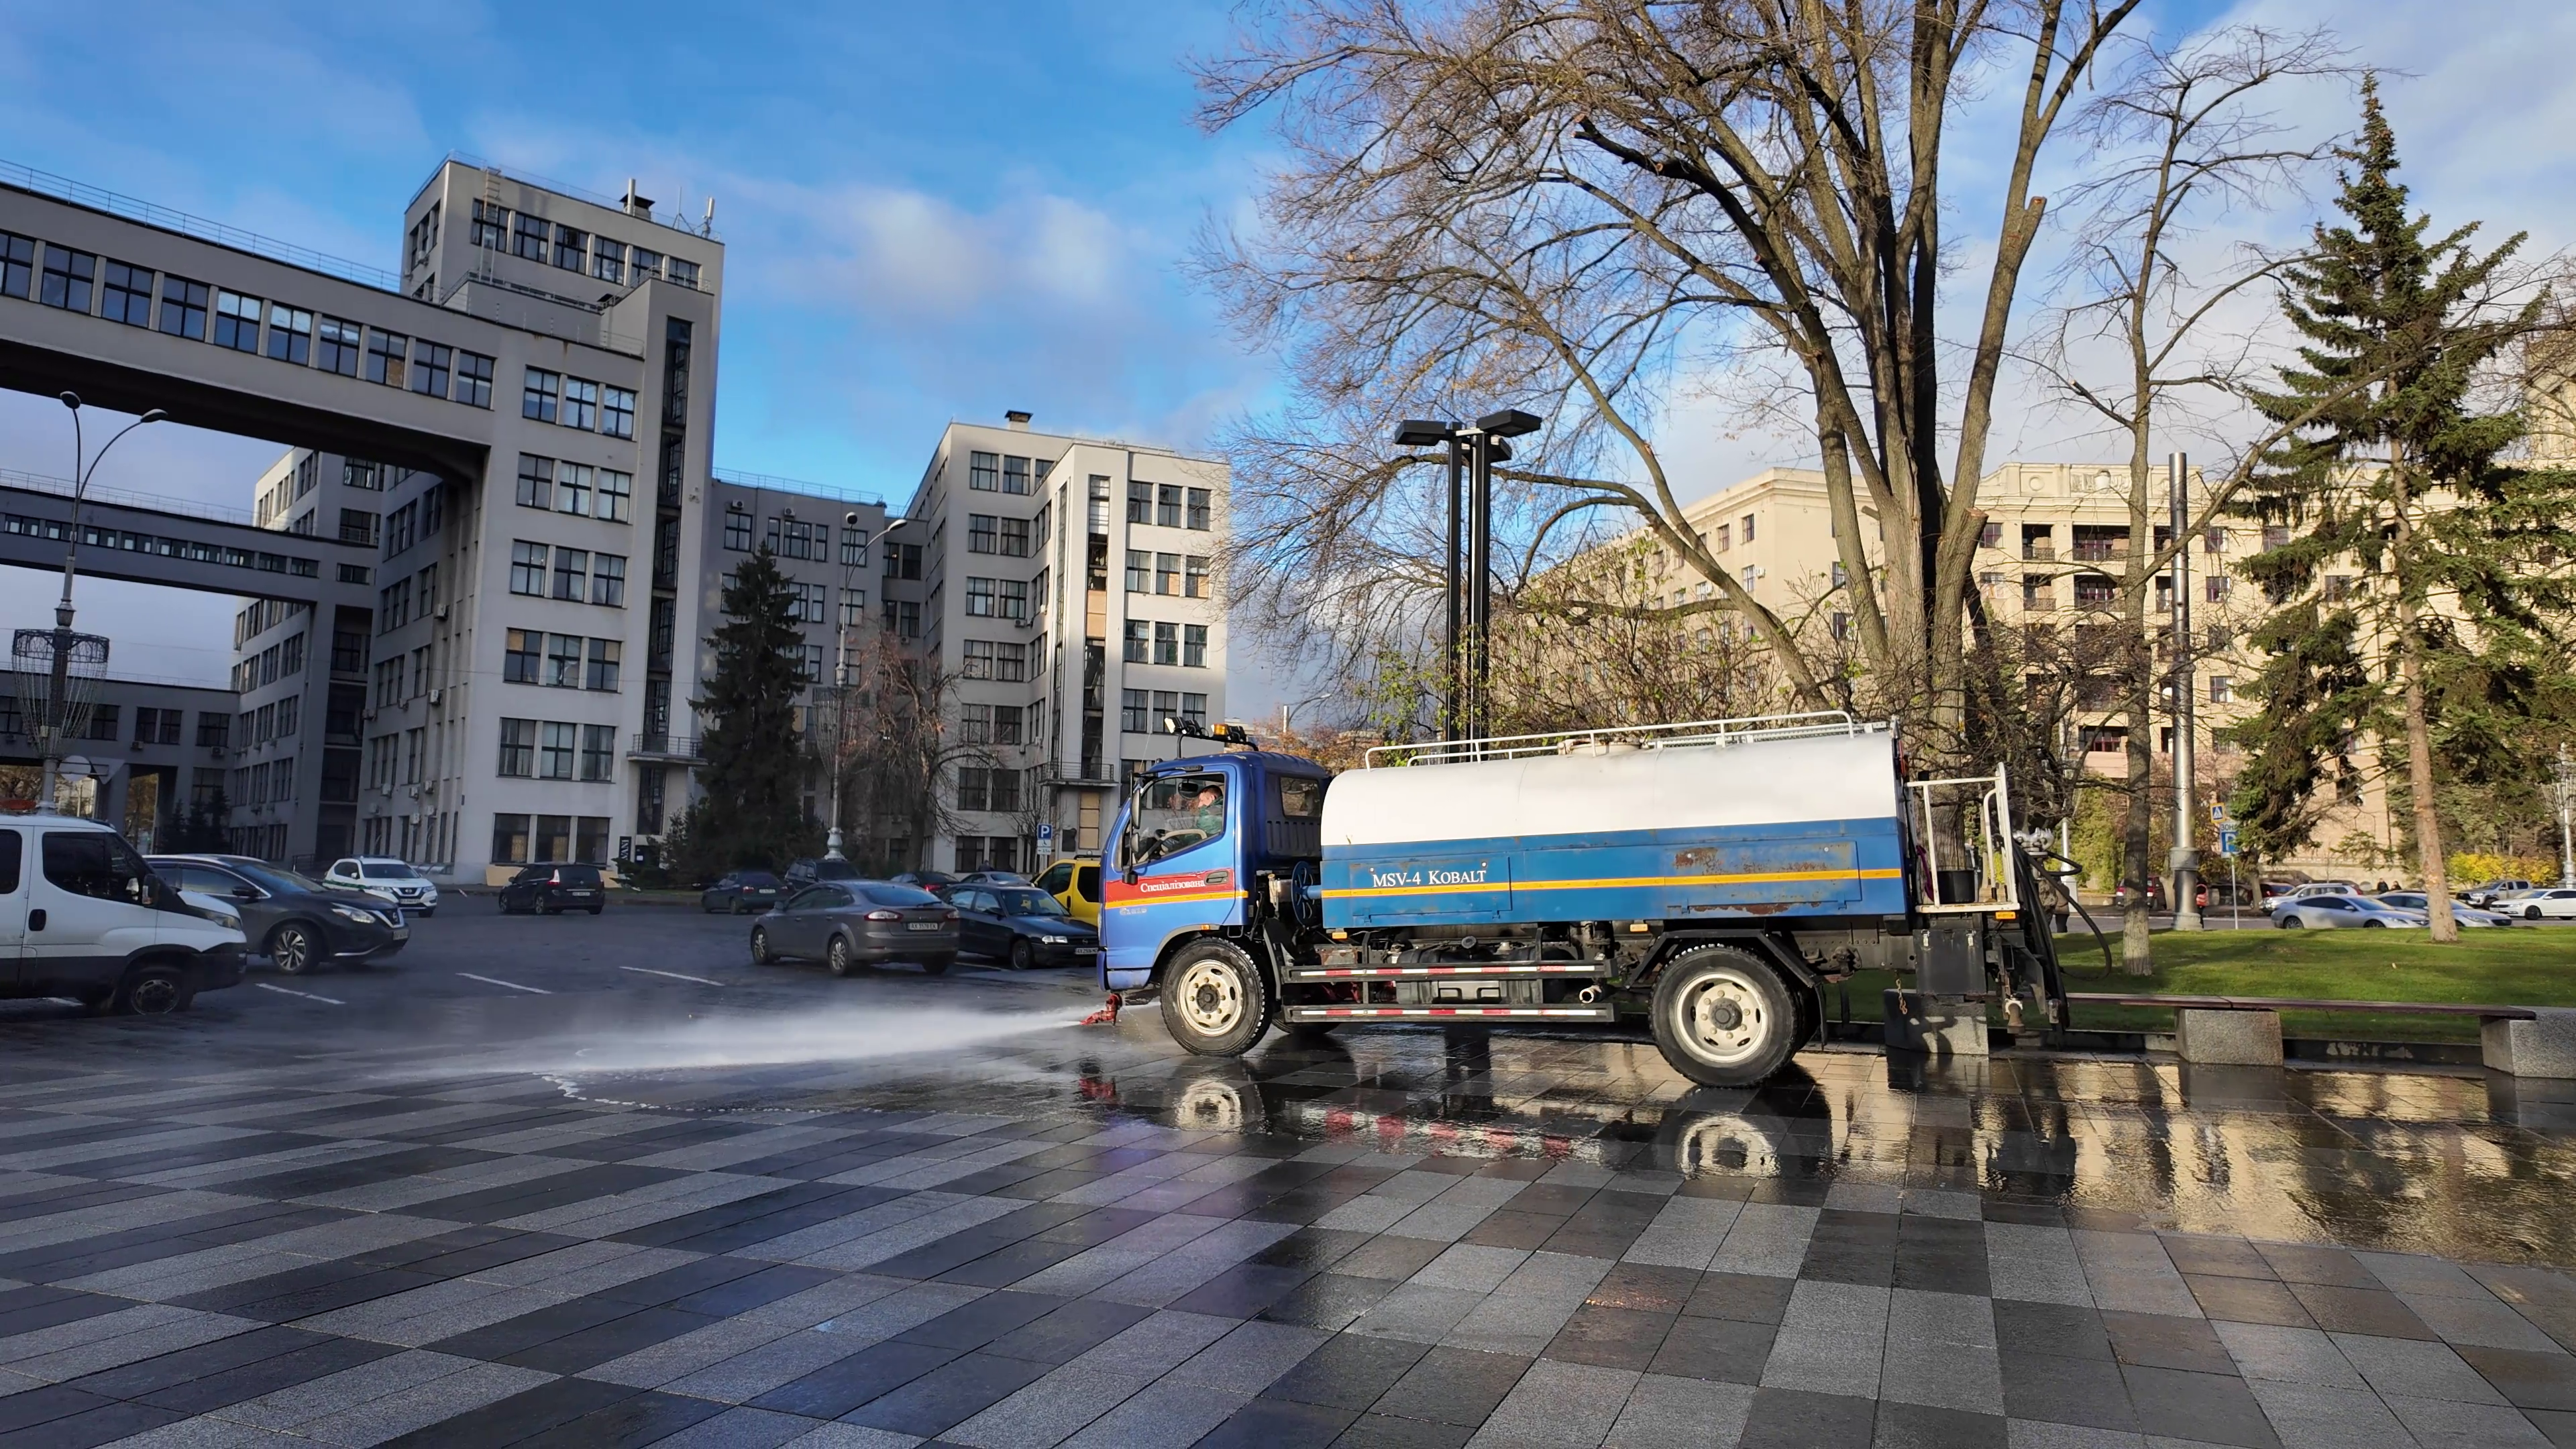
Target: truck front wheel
[[1214, 1002], [1723, 1018]]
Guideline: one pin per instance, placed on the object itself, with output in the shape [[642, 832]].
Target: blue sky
[[931, 211]]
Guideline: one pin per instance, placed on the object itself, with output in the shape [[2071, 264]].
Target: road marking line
[[513, 985], [674, 975], [307, 995]]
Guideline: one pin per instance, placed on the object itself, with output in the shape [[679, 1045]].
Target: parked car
[[2487, 894], [2158, 896], [2322, 888], [549, 889], [806, 872], [1075, 884], [2466, 915], [848, 924], [2543, 903], [994, 878], [2330, 909], [933, 881], [297, 922], [82, 915], [740, 891], [385, 878], [1023, 926]]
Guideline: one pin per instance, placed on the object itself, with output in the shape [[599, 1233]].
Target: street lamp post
[[841, 676], [1468, 570], [84, 468], [2186, 857]]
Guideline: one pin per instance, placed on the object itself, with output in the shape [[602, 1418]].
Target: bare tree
[[2157, 336], [900, 754], [1555, 202]]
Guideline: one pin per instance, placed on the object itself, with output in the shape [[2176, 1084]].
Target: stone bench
[[2519, 1041]]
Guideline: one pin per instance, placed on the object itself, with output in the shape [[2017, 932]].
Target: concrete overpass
[[162, 541]]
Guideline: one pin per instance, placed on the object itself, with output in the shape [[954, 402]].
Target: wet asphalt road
[[580, 1181]]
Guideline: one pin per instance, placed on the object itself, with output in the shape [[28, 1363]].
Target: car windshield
[[1026, 902], [276, 877], [387, 870], [887, 894], [835, 870]]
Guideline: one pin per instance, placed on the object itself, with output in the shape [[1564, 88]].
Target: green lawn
[[2515, 966]]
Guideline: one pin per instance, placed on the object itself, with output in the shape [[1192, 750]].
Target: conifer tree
[[753, 812], [2411, 601]]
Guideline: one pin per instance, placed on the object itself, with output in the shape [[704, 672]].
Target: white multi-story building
[[1066, 587]]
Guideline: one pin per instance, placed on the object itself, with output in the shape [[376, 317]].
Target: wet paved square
[[1393, 1237]]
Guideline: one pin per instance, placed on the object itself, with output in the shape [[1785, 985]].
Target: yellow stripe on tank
[[1780, 877]]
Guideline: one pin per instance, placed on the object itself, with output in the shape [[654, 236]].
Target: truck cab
[[1194, 837]]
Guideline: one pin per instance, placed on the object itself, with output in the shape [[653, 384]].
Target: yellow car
[[1076, 886]]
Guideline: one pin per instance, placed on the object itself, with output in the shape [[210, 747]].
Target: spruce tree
[[2412, 602], [752, 809]]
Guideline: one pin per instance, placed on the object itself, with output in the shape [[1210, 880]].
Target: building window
[[1167, 643], [1199, 501], [563, 661], [337, 345], [2222, 689], [518, 749], [644, 264], [979, 659], [908, 619], [1137, 644], [1194, 578], [854, 607], [1167, 506], [527, 568], [386, 352], [608, 580], [617, 412], [2213, 540], [536, 487], [1014, 600], [1748, 527], [979, 598], [598, 751], [603, 665], [983, 533], [69, 275], [555, 751], [1140, 571], [572, 489], [290, 334], [1167, 573], [580, 403], [975, 724], [737, 528], [17, 265], [608, 260], [125, 295], [519, 658], [1132, 712], [537, 394], [984, 472], [571, 248], [491, 228], [572, 568], [1015, 476], [473, 379], [430, 365], [529, 238], [2214, 588], [615, 496]]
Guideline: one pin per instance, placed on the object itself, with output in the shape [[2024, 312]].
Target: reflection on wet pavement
[[2458, 1166]]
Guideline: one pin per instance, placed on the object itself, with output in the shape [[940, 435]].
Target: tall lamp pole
[[2186, 857], [84, 468], [1468, 568], [841, 676]]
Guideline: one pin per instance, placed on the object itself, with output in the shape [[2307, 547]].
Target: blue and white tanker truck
[[1711, 877]]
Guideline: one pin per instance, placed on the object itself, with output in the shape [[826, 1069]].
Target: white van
[[82, 916]]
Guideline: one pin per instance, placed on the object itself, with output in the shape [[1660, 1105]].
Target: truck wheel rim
[[1211, 998], [155, 996], [1723, 1018]]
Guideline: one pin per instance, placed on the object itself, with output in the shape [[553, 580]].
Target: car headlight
[[352, 913], [1055, 940]]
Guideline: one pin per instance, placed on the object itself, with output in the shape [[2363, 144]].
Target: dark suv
[[296, 921], [807, 872], [549, 889]]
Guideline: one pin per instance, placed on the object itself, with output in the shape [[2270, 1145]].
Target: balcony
[[2039, 550], [673, 749], [2099, 551]]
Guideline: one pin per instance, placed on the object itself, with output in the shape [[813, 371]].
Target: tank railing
[[1704, 734], [1981, 849]]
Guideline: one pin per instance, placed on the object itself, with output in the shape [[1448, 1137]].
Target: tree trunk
[[2430, 863], [2137, 840]]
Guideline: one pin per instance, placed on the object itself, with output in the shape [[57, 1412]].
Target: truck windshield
[[1172, 813]]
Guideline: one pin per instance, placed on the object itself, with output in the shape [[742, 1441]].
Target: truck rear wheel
[[1214, 1002], [1723, 1018]]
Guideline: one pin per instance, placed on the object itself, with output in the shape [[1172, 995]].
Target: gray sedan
[[2312, 912], [848, 924], [2419, 903]]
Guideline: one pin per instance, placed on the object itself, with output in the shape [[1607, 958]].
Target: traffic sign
[[2218, 810], [1046, 838], [2227, 842]]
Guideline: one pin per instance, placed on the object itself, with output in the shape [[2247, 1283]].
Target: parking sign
[[2227, 842]]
